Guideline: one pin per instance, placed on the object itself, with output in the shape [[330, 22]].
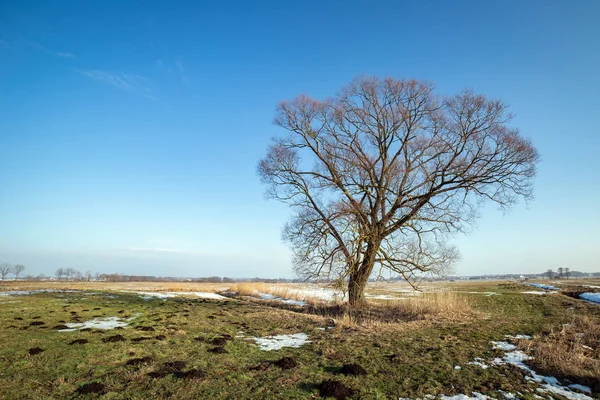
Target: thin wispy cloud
[[127, 82], [182, 74], [175, 70], [155, 250], [55, 53]]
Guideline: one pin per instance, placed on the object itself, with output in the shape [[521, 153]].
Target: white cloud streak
[[127, 82]]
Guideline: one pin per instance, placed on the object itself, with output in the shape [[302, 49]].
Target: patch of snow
[[277, 342], [592, 297], [480, 362], [536, 292], [97, 323], [503, 346], [167, 295], [549, 383], [267, 296], [476, 395], [379, 296], [457, 367], [541, 286], [581, 388], [518, 337], [28, 292]]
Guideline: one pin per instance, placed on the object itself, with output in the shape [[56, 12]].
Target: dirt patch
[[218, 350], [79, 341], [96, 309], [59, 327], [146, 328], [335, 389], [90, 388], [260, 367], [286, 363], [114, 338], [174, 366], [139, 361], [160, 337], [220, 341], [35, 350], [38, 317], [141, 339], [191, 374], [353, 369], [37, 323], [19, 318], [200, 339]]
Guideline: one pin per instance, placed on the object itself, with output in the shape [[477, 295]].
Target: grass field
[[438, 343]]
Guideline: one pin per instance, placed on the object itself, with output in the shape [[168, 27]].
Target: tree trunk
[[356, 286], [358, 279]]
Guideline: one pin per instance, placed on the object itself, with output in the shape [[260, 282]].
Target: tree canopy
[[380, 174]]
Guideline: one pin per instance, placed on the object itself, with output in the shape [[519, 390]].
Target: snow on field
[[537, 292], [503, 346], [166, 295], [29, 292], [541, 286], [479, 362], [476, 395], [267, 296], [518, 337], [97, 323], [548, 383], [593, 297], [381, 296], [277, 342]]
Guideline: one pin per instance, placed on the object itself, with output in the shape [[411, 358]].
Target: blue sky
[[130, 132]]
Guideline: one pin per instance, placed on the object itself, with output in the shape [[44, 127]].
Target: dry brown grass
[[572, 352]]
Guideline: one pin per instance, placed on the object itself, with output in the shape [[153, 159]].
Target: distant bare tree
[[88, 275], [560, 272], [380, 175], [60, 273], [17, 270], [5, 269], [550, 274], [567, 272]]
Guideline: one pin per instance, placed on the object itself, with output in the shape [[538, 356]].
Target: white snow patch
[[97, 323], [480, 362], [379, 296], [476, 395], [29, 292], [166, 295], [592, 297], [267, 296], [503, 346], [582, 388], [277, 342], [548, 383], [536, 292], [541, 286], [518, 337]]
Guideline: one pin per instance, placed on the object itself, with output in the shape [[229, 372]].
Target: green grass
[[402, 360]]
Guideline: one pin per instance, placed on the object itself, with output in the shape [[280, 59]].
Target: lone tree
[[17, 270], [382, 173], [5, 269]]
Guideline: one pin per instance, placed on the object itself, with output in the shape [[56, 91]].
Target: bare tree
[[5, 269], [380, 175], [560, 272], [17, 270], [549, 274], [60, 273], [567, 272], [88, 275]]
